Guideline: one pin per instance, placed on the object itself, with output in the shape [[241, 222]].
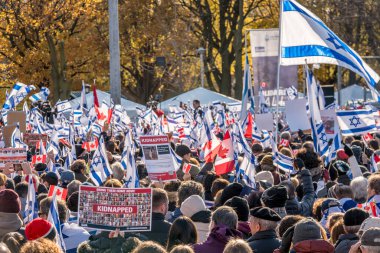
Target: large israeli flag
[[306, 39], [247, 96], [356, 122]]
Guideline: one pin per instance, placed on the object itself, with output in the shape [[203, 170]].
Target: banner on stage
[[158, 160], [296, 115], [105, 208], [264, 48], [15, 156]]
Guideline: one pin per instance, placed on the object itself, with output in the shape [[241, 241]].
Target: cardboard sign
[[296, 115], [115, 208], [7, 135], [264, 121], [158, 159], [15, 117], [13, 156], [32, 139]]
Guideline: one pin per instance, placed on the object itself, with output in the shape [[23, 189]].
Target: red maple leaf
[[92, 145], [101, 116], [223, 152], [59, 192], [38, 158]]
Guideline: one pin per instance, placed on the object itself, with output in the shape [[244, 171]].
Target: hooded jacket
[[345, 242], [313, 246], [264, 241], [217, 240]]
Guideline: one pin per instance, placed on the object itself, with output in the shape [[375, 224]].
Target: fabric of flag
[[53, 218], [356, 122], [211, 144], [40, 96], [129, 164], [186, 167], [83, 99], [177, 160], [375, 158], [31, 206], [336, 144], [321, 97], [16, 141], [91, 145], [264, 108], [305, 38], [63, 106], [100, 168], [367, 137], [330, 106], [38, 159], [248, 95], [284, 143], [224, 162], [58, 192], [18, 93], [291, 92], [282, 161]]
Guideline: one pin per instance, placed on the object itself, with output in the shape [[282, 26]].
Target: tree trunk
[[238, 53]]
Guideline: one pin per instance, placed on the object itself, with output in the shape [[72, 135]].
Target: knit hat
[[355, 217], [192, 205], [341, 154], [276, 196], [267, 160], [306, 229], [240, 206], [66, 177], [264, 213], [371, 222], [371, 237], [264, 176], [182, 150], [341, 166], [51, 178], [39, 228], [328, 203], [230, 191], [9, 201]]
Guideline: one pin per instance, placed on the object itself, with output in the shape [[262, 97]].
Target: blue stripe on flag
[[358, 130]]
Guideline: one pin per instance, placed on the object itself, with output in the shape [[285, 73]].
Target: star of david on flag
[[356, 122]]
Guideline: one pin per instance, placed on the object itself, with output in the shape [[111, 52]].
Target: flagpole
[[278, 70]]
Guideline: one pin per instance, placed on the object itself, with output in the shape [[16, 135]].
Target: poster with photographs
[[115, 208], [157, 157], [16, 156], [329, 118]]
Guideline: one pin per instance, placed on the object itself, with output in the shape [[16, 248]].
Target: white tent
[[127, 104], [205, 96]]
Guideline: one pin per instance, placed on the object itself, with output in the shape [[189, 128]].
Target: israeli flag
[[18, 93], [53, 218], [283, 162], [63, 106], [129, 165], [262, 104], [247, 96], [306, 39], [40, 96], [356, 122], [31, 206], [16, 141], [83, 99], [100, 169], [336, 144]]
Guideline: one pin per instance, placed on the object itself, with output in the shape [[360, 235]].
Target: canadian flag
[[91, 145], [367, 137], [60, 193], [186, 167], [38, 159], [225, 159], [211, 149], [284, 143], [104, 114], [181, 132]]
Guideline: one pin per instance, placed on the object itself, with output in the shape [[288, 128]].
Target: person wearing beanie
[[241, 208], [185, 153], [66, 178], [230, 191], [275, 198], [10, 207], [49, 178], [352, 220], [263, 222], [195, 208], [371, 222], [305, 206], [39, 228], [308, 237]]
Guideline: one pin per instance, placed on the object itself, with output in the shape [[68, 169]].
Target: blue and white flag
[[40, 96], [282, 161], [83, 99], [306, 39], [264, 108], [16, 141], [336, 144], [331, 106], [291, 92], [53, 218], [248, 95], [63, 106], [18, 93], [31, 206], [356, 122], [321, 97], [129, 165], [100, 168]]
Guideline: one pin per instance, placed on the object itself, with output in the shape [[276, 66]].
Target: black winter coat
[[264, 241], [344, 243], [160, 229]]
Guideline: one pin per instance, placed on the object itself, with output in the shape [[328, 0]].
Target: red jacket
[[313, 246]]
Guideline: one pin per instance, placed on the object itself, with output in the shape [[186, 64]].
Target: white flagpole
[[278, 70]]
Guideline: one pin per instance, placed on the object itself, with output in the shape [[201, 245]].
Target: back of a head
[[306, 229], [353, 218], [72, 187], [359, 189], [237, 246], [40, 246], [370, 240], [240, 206], [113, 183], [14, 241], [182, 249], [159, 198], [78, 165], [189, 188], [149, 247], [117, 171], [182, 231], [287, 222], [62, 208], [225, 216]]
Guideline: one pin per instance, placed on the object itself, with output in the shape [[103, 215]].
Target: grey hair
[[265, 224], [359, 189], [371, 249], [226, 216], [117, 171]]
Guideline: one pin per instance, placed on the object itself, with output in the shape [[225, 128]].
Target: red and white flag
[[284, 143], [367, 137], [186, 168], [91, 145], [224, 162], [38, 159], [60, 193]]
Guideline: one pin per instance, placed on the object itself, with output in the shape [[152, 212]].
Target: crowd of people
[[320, 207]]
